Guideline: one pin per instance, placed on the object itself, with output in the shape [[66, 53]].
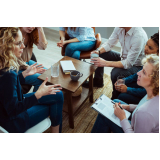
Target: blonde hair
[[8, 60], [154, 61]]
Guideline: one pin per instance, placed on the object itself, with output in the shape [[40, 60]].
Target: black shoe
[[96, 83]]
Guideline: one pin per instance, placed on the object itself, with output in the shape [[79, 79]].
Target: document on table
[[67, 66], [104, 106]]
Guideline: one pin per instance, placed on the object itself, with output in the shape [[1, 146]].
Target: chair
[[38, 128], [84, 54]]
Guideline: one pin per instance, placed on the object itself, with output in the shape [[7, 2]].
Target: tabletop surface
[[64, 79]]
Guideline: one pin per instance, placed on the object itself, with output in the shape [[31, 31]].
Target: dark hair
[[155, 38]]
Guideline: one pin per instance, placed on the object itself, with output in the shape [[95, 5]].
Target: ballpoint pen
[[118, 104]]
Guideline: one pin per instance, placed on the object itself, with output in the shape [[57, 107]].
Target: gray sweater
[[145, 119]]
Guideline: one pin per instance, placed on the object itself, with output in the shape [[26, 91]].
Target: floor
[[52, 54]]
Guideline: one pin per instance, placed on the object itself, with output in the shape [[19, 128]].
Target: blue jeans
[[33, 79], [74, 49], [50, 105], [104, 125]]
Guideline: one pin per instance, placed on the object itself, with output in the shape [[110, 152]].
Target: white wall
[[107, 31]]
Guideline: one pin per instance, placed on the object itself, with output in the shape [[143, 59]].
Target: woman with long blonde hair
[[20, 112]]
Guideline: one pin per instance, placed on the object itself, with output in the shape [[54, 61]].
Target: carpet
[[85, 117]]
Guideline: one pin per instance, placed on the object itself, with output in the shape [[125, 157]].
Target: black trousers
[[115, 56]]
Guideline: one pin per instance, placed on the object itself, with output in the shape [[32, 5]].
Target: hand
[[33, 69], [44, 90], [98, 62], [95, 51], [119, 112], [121, 88], [61, 43], [125, 106]]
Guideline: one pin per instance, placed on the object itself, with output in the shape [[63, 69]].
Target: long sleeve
[[10, 99], [113, 40], [139, 92], [144, 123], [21, 78], [134, 52], [131, 78]]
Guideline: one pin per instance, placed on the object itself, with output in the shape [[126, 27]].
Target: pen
[[118, 104]]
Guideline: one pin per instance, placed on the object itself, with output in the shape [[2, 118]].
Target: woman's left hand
[[119, 112], [33, 69]]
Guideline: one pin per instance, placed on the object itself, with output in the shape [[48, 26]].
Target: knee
[[122, 96], [116, 100], [113, 75], [70, 47], [59, 96]]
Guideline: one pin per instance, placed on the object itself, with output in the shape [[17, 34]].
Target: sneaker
[[96, 83]]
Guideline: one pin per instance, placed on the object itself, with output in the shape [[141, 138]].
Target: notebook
[[67, 66], [104, 106]]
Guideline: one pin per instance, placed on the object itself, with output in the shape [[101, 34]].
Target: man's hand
[[99, 62], [95, 51], [121, 88]]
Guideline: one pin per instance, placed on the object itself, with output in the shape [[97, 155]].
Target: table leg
[[91, 88], [70, 110]]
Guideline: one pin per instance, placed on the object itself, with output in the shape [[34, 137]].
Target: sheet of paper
[[104, 106], [67, 65]]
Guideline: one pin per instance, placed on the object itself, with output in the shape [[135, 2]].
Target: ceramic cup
[[75, 75]]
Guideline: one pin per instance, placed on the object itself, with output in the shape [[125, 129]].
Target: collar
[[130, 32]]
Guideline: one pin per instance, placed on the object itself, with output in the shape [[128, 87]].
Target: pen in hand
[[118, 104]]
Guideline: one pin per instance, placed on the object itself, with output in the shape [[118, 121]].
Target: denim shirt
[[81, 33]]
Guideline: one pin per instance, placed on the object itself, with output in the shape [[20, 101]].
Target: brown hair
[[7, 59], [33, 37], [154, 61]]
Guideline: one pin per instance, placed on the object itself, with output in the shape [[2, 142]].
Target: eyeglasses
[[20, 43]]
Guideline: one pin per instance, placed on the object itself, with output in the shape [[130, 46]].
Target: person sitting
[[132, 40], [130, 92], [145, 116], [81, 39], [31, 35], [20, 112]]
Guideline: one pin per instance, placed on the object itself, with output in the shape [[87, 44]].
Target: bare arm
[[62, 34], [42, 39]]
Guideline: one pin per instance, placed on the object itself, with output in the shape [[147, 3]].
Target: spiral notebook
[[104, 106]]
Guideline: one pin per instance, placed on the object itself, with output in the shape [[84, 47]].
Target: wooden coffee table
[[72, 104]]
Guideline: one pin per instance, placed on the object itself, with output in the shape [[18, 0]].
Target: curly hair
[[7, 59], [154, 61], [155, 38]]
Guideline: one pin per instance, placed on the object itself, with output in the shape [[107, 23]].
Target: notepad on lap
[[104, 106], [67, 66]]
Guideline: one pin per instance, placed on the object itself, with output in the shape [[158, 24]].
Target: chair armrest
[[98, 40]]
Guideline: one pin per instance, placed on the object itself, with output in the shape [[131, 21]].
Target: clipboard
[[104, 106]]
